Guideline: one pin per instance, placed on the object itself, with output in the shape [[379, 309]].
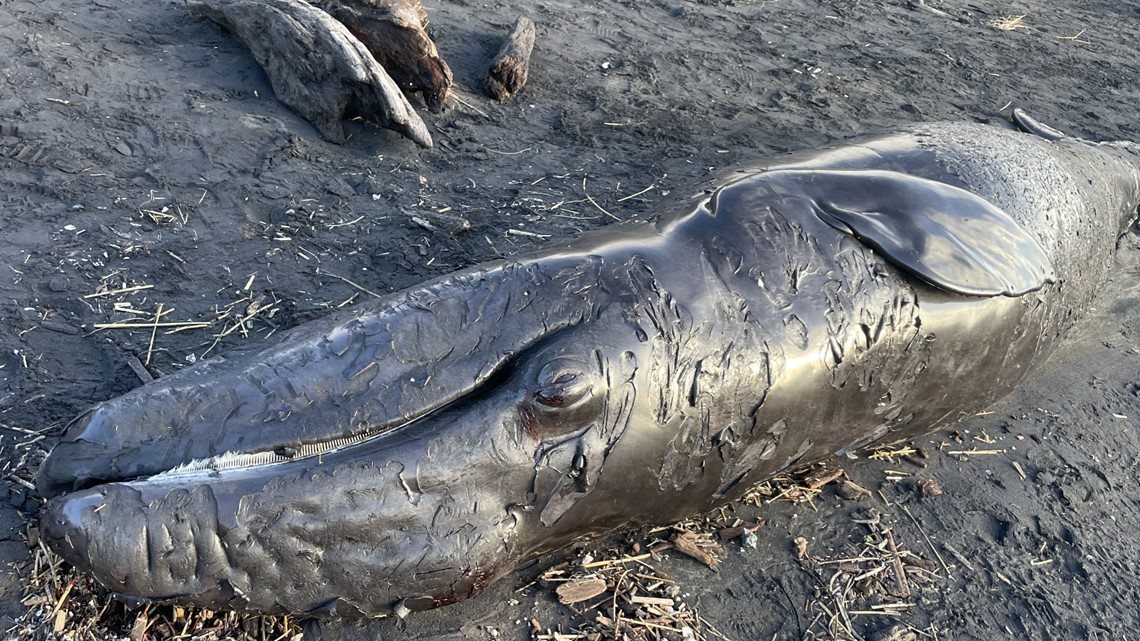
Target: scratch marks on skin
[[623, 396], [411, 486], [798, 254], [723, 357], [423, 337], [796, 331], [864, 306], [175, 538], [340, 526], [771, 252], [568, 469], [747, 339], [875, 339]]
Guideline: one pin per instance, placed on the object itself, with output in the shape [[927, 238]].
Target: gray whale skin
[[404, 454]]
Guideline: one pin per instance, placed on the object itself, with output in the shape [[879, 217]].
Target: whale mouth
[[233, 461]]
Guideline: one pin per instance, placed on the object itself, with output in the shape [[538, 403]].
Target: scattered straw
[[1075, 38], [148, 325], [325, 272], [608, 562], [62, 604], [613, 601], [595, 203], [529, 234], [508, 153], [877, 581], [635, 195], [119, 291], [889, 454], [158, 314], [800, 486], [1020, 472], [929, 543], [239, 315], [470, 106], [1009, 23]]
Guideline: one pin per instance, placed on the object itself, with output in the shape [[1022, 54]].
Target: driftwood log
[[316, 66], [393, 30], [509, 69]]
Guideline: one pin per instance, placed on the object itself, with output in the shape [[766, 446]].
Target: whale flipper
[[944, 235]]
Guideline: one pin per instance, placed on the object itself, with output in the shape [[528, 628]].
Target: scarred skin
[[639, 374]]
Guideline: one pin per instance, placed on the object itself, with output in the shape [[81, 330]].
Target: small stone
[[801, 547], [748, 539], [339, 187], [929, 487]]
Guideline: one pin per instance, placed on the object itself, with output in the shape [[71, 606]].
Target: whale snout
[[61, 524], [353, 533], [158, 549]]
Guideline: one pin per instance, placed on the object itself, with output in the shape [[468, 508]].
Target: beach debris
[[619, 594], [394, 32], [801, 546], [748, 540], [797, 486], [852, 491], [580, 589], [316, 66], [921, 4], [698, 546], [899, 633], [509, 68], [1009, 23], [929, 487], [62, 603], [876, 579], [740, 529], [892, 454]]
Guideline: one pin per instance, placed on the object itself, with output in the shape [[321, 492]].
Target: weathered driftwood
[[509, 69], [393, 30], [316, 66]]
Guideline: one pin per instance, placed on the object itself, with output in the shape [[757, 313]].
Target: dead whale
[[409, 451]]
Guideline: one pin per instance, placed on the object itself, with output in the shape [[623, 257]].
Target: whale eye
[[567, 395], [562, 383]]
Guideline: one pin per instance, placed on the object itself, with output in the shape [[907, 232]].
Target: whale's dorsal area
[[943, 234]]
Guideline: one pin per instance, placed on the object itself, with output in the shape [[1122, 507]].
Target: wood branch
[[509, 69], [688, 544], [316, 66], [393, 30], [579, 590]]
